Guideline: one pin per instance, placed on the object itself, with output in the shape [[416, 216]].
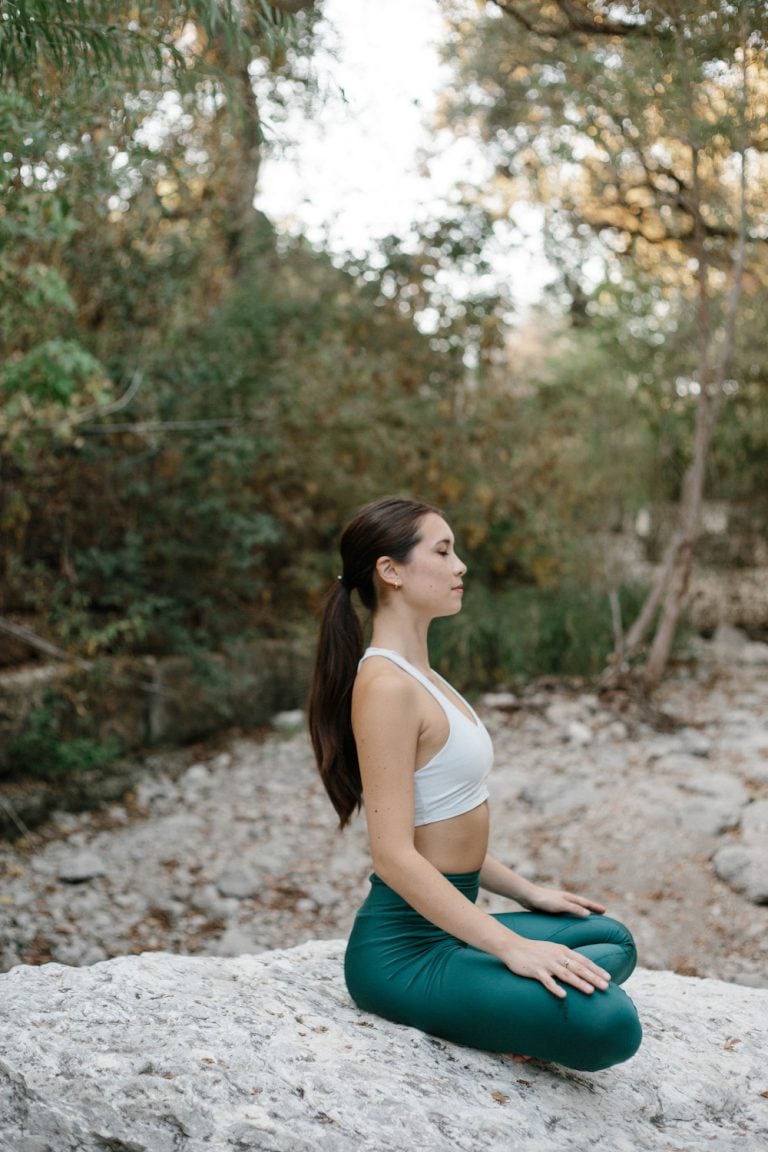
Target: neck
[[408, 637]]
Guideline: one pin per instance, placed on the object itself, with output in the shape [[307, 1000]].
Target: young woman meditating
[[392, 735]]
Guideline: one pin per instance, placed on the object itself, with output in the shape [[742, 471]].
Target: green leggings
[[402, 967]]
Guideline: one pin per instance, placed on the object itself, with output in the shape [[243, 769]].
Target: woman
[[392, 734]]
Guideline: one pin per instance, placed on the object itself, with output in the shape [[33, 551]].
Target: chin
[[453, 610]]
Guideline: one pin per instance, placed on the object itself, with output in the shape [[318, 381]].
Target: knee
[[619, 935], [614, 1032]]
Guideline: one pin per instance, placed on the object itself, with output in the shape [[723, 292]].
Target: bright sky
[[355, 173]]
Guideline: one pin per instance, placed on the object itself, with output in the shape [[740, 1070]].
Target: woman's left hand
[[567, 903]]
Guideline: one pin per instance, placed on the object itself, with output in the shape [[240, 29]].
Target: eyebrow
[[445, 540]]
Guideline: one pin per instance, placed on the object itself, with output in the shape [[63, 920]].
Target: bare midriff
[[458, 844]]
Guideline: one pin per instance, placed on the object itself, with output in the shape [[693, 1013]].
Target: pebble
[[84, 866], [289, 721], [745, 868], [578, 733], [755, 653], [503, 701], [240, 881]]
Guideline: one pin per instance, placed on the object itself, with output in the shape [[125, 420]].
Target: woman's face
[[431, 577]]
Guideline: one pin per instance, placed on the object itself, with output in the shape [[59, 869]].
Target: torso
[[458, 844]]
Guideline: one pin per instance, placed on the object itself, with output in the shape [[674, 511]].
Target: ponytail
[[339, 648], [387, 527]]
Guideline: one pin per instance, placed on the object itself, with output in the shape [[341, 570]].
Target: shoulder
[[379, 681], [383, 692]]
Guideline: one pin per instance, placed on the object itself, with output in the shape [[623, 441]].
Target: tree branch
[[577, 23], [291, 7], [160, 426], [122, 401], [19, 632]]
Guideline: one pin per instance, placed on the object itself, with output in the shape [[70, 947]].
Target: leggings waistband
[[383, 896]]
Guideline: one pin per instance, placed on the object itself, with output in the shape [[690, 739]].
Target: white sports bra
[[453, 782]]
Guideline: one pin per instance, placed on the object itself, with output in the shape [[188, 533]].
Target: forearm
[[439, 901], [497, 878]]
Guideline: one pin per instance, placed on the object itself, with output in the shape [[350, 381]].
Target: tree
[[131, 144], [641, 125], [61, 38]]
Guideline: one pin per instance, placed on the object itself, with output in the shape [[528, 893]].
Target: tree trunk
[[679, 572], [671, 585]]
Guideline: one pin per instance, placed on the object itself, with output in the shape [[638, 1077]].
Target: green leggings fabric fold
[[400, 966]]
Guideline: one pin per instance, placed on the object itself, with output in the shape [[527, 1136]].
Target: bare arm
[[387, 722], [496, 877]]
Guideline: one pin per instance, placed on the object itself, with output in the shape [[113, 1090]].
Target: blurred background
[[263, 262]]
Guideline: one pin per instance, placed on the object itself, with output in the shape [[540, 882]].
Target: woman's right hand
[[548, 963]]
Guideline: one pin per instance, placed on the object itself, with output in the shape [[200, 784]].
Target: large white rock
[[155, 1053]]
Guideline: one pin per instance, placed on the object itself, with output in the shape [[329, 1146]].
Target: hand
[[543, 961], [549, 900]]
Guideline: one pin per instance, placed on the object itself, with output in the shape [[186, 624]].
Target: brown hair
[[386, 527]]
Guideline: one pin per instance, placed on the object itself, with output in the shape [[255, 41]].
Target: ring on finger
[[566, 963]]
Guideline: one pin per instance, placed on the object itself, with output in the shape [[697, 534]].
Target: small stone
[[561, 712], [197, 776], [84, 866], [693, 743], [288, 721], [502, 701], [578, 733], [67, 822], [240, 881], [153, 789], [745, 868], [207, 901], [754, 653]]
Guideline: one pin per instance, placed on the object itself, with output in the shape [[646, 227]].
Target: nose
[[461, 567]]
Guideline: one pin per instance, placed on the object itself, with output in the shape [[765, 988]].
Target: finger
[[590, 980], [585, 903], [595, 976], [595, 907], [585, 970], [579, 910], [548, 982], [577, 982]]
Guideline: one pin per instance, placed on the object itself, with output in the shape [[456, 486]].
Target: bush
[[42, 751], [522, 632]]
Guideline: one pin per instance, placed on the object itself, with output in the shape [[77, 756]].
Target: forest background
[[193, 403]]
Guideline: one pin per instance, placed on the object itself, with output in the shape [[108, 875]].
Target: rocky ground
[[158, 1053], [232, 847]]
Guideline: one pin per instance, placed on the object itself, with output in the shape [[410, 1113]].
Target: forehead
[[434, 529]]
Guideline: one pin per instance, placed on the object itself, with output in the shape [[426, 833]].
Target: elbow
[[391, 866], [385, 867]]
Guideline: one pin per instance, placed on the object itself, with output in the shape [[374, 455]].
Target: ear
[[387, 571]]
